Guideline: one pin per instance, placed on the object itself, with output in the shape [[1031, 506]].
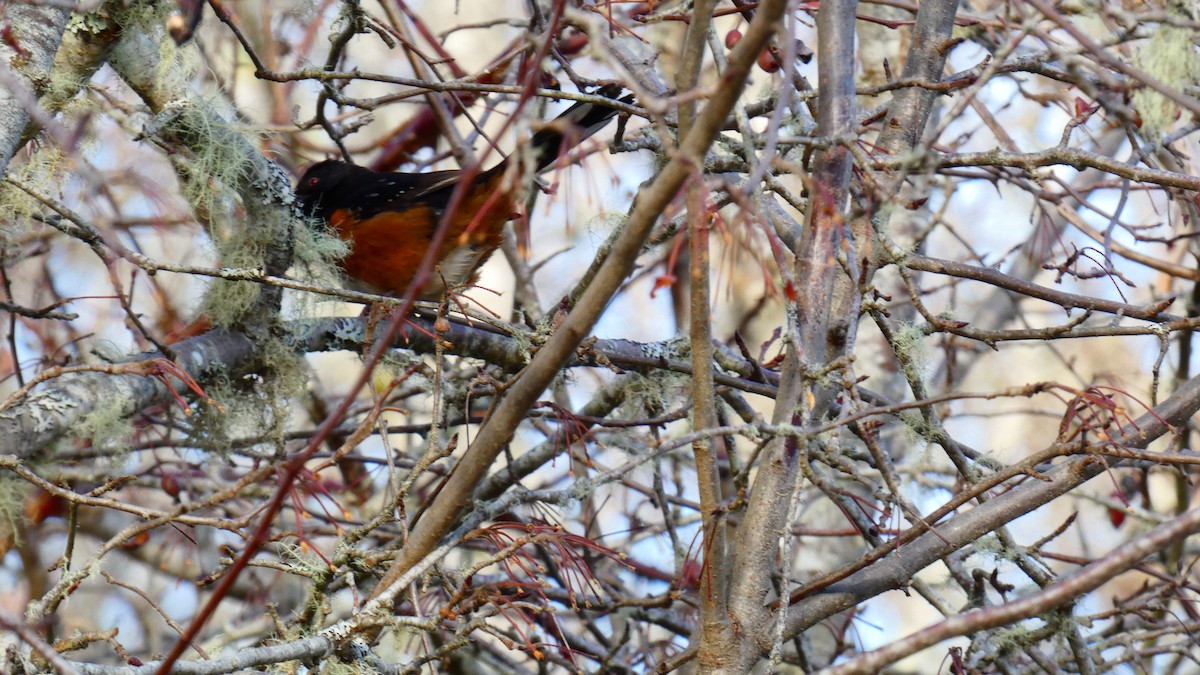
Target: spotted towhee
[[390, 219]]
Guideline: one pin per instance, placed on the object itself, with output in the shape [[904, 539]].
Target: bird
[[390, 219]]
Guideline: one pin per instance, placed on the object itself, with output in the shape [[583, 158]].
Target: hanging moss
[[44, 172], [246, 203], [909, 343], [315, 248], [259, 405], [108, 427]]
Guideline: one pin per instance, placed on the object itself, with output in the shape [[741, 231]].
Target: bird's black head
[[318, 182]]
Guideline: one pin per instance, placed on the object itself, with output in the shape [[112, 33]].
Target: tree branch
[[32, 32]]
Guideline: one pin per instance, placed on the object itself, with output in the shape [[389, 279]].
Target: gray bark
[[36, 32]]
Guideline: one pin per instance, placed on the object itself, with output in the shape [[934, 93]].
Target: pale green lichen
[[47, 409], [397, 361], [43, 172], [217, 162], [108, 427], [315, 249], [990, 547], [651, 394], [13, 492], [1170, 57], [213, 159], [244, 201], [912, 350], [1012, 639], [214, 428], [230, 187], [62, 86], [303, 560], [916, 428], [258, 406], [228, 302], [92, 23], [176, 68]]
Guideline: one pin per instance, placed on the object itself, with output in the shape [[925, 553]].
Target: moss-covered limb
[[34, 33], [13, 492], [82, 400], [65, 403], [1170, 56], [509, 351], [85, 47], [243, 197], [306, 649]]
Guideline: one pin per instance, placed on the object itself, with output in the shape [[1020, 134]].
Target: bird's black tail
[[572, 127]]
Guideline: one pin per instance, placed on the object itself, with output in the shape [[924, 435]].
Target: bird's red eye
[[313, 181]]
